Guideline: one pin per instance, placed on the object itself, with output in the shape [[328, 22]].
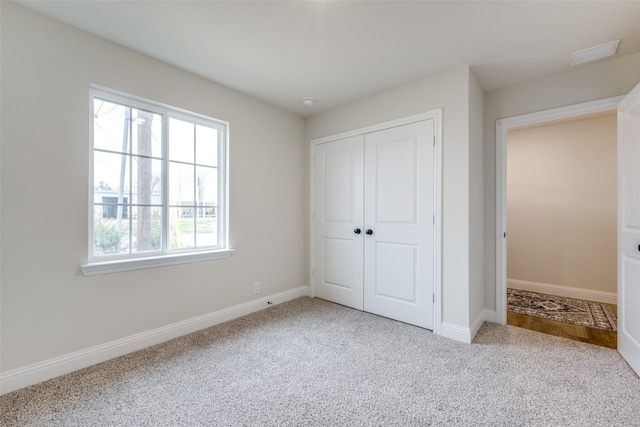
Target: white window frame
[[164, 256]]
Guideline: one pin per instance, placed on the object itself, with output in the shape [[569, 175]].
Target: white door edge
[[628, 235], [502, 126]]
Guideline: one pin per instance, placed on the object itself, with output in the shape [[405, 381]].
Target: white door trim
[[436, 116], [502, 126]]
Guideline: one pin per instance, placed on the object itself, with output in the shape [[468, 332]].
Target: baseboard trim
[[489, 316], [455, 332], [466, 335], [48, 369], [564, 291], [484, 316]]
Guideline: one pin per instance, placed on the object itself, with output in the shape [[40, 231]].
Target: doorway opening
[[541, 257]]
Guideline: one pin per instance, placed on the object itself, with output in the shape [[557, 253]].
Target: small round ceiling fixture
[[308, 101]]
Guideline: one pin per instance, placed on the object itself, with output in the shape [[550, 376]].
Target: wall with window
[[49, 308]]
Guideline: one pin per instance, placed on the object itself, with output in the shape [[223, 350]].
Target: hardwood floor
[[566, 330]]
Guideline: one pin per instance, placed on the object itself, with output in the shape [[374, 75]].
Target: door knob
[[369, 232], [357, 231]]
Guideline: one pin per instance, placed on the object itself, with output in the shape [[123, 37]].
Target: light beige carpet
[[310, 362]]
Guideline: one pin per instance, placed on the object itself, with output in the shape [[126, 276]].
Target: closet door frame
[[436, 116]]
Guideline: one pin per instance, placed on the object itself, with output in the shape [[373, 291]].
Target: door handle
[[357, 231], [369, 232]]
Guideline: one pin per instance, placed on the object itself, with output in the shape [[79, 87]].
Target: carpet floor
[[569, 310], [310, 362]]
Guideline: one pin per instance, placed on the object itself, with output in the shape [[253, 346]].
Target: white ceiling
[[337, 52]]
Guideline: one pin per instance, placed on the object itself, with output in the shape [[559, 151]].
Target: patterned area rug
[[568, 310]]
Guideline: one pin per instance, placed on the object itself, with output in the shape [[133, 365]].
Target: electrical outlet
[[256, 288]]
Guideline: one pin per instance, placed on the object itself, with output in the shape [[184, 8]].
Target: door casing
[[436, 116]]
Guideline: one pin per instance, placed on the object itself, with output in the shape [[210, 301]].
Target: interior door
[[338, 218], [629, 228], [399, 223]]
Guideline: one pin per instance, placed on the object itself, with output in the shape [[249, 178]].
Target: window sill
[[116, 266]]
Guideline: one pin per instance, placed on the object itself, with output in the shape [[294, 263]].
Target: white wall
[[449, 91], [580, 84], [49, 308], [562, 204], [476, 204]]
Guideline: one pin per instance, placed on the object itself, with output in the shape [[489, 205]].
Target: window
[[158, 185]]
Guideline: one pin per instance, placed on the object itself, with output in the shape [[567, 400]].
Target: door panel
[[338, 261], [338, 182], [396, 181], [338, 201], [399, 208], [631, 273], [629, 228], [396, 275]]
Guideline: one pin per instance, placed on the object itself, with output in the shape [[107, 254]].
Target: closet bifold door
[[338, 221], [398, 223]]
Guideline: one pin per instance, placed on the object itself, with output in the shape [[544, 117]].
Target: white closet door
[[399, 209], [338, 202]]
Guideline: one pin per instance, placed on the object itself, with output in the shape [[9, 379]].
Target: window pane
[[147, 229], [110, 126], [181, 141], [147, 181], [207, 182], [111, 208], [110, 174], [146, 133], [181, 228], [207, 229], [206, 146], [110, 233], [181, 191]]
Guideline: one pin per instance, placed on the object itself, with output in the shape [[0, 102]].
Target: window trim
[[140, 263], [164, 256]]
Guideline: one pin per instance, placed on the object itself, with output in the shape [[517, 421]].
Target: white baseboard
[[455, 332], [564, 291], [48, 369], [466, 335], [484, 316], [489, 316]]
